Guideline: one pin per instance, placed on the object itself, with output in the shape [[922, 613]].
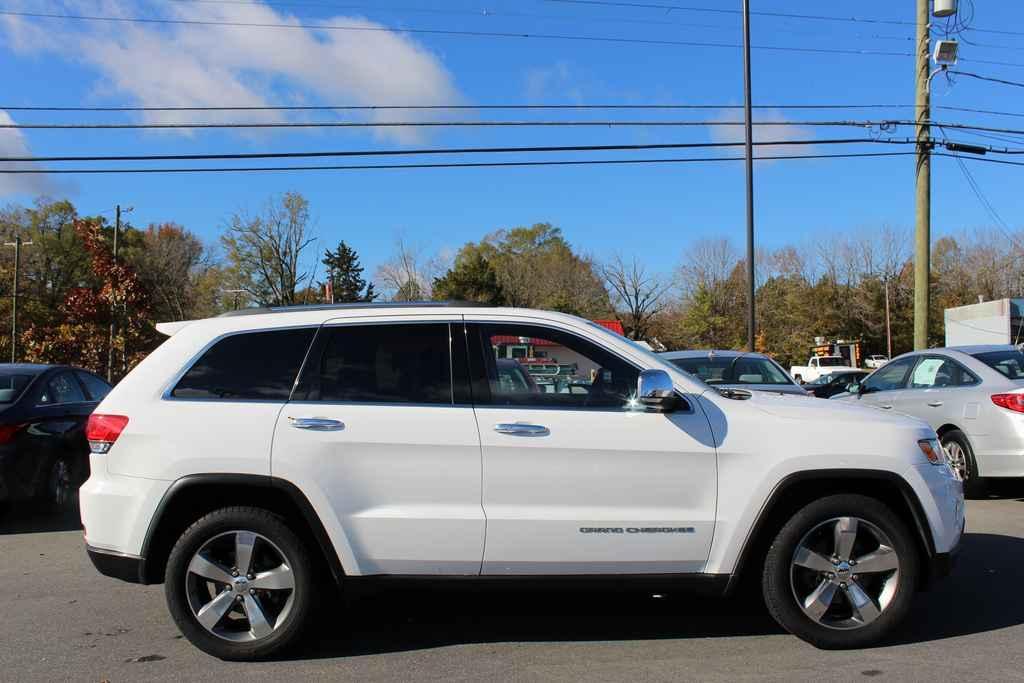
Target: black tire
[[779, 585], [179, 584], [974, 486]]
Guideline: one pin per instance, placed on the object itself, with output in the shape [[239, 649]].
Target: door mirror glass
[[655, 390], [855, 388]]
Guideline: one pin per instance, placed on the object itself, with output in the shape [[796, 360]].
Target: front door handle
[[885, 407], [317, 424], [935, 404], [521, 429]]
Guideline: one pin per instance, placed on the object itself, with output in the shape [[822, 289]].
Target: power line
[[883, 124], [449, 32], [1017, 84], [463, 107], [777, 15], [485, 107], [448, 150], [482, 164], [980, 194]]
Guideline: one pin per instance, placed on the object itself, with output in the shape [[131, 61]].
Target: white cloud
[[13, 144], [558, 81], [205, 65], [780, 130]]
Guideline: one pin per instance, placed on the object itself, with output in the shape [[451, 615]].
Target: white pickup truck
[[818, 366]]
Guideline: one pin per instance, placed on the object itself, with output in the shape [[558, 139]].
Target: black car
[[43, 450], [830, 384]]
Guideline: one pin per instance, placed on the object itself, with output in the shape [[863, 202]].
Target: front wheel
[[240, 584], [842, 572]]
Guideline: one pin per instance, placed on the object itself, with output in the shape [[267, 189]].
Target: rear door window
[[62, 388], [1009, 363], [248, 366], [383, 363]]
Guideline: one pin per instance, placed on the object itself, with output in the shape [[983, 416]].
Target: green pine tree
[[346, 275]]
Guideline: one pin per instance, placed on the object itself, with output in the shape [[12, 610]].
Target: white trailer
[[988, 322]]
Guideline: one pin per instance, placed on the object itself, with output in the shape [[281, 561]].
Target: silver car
[[735, 370], [973, 396]]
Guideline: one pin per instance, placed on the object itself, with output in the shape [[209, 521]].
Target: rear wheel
[[961, 459], [842, 572], [239, 584]]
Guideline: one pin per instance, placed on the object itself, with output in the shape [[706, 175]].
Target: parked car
[[875, 361], [43, 451], [973, 396], [827, 386], [735, 370], [818, 366], [251, 455]]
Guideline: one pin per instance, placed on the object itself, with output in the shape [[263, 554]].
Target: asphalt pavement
[[60, 620]]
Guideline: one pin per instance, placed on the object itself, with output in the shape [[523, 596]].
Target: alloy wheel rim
[[957, 459], [240, 586], [844, 573]]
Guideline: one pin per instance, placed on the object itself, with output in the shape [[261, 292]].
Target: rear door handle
[[935, 404], [317, 424], [885, 407], [521, 429]]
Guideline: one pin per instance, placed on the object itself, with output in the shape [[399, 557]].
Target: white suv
[[254, 455]]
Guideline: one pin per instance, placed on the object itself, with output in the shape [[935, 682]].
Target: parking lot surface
[[60, 620]]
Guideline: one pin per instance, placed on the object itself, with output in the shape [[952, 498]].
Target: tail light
[[1014, 402], [8, 432], [102, 431]]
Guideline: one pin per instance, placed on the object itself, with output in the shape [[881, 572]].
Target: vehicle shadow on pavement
[[979, 596], [34, 518], [415, 620]]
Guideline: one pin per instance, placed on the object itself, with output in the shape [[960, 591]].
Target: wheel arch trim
[[256, 481], [777, 496]]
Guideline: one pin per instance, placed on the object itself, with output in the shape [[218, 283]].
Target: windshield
[[12, 384], [831, 362], [734, 370], [1009, 363]]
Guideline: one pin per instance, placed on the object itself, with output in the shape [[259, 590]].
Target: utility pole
[[749, 158], [17, 244], [888, 324], [922, 232], [113, 300]]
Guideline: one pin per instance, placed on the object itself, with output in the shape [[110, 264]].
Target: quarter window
[[528, 365], [97, 388], [249, 366], [403, 363]]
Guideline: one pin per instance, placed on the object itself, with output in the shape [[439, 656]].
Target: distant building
[[988, 322]]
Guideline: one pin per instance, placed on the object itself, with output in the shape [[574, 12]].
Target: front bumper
[[116, 565]]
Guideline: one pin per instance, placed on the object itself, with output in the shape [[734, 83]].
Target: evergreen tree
[[346, 275], [472, 279]]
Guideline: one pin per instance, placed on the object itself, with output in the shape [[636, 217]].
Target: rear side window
[[97, 388], [252, 365], [1008, 363], [62, 388], [403, 363]]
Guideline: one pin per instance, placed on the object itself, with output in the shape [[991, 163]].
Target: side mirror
[[655, 390], [855, 388]]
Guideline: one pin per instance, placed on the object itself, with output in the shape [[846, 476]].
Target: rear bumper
[[116, 565]]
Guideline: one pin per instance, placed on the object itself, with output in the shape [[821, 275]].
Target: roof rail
[[351, 306]]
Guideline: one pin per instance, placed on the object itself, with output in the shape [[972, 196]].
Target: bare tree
[[408, 275], [266, 251], [641, 294], [707, 263]]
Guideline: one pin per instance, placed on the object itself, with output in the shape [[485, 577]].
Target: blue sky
[[652, 211]]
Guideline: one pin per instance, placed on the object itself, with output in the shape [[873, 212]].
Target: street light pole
[[749, 159], [17, 244], [113, 300]]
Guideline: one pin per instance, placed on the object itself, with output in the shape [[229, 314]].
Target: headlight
[[932, 450]]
